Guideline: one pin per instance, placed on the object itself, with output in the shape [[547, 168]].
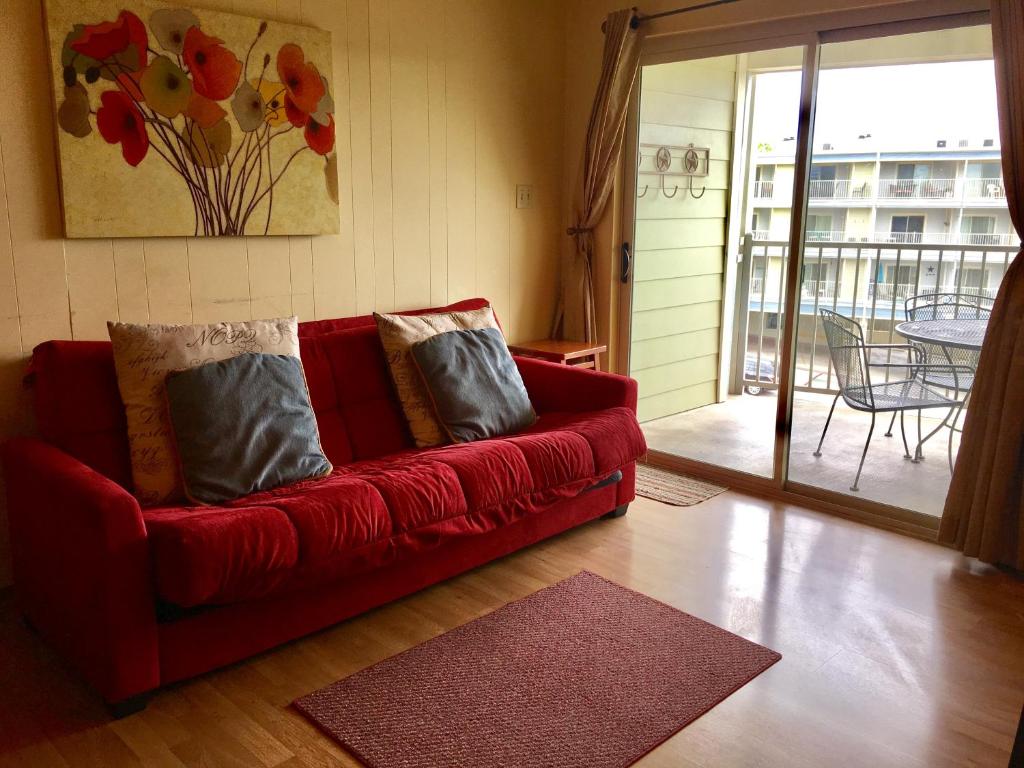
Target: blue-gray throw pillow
[[474, 384], [243, 425]]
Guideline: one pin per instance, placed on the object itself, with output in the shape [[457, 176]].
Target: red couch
[[138, 598]]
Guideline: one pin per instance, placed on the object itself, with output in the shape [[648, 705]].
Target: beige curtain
[[984, 514], [575, 315]]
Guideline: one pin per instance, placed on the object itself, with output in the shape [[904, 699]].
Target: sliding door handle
[[627, 263]]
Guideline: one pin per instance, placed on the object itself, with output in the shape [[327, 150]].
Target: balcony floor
[[739, 434]]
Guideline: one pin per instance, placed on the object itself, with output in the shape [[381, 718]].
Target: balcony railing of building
[[905, 238], [962, 190], [825, 236], [946, 238], [955, 190], [854, 279], [839, 189]]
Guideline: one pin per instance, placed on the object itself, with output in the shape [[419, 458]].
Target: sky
[[895, 104]]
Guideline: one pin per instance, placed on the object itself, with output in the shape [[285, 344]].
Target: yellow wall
[[443, 106]]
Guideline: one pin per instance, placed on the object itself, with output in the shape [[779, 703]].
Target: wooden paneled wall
[[443, 106], [680, 241]]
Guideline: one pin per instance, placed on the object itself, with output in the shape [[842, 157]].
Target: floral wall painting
[[178, 121]]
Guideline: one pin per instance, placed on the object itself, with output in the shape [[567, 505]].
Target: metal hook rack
[[693, 162]]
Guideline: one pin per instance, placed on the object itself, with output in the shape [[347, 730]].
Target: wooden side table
[[577, 353]]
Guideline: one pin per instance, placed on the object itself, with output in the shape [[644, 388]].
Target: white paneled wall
[[443, 106]]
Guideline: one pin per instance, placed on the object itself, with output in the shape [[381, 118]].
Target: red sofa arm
[[81, 567], [554, 387]]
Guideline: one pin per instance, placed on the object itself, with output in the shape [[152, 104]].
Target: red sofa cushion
[[490, 471], [219, 554], [372, 512], [331, 515], [555, 458], [613, 434]]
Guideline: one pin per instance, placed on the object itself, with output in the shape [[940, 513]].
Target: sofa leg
[[129, 706], [619, 511]]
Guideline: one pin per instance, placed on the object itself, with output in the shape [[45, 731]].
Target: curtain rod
[[637, 19]]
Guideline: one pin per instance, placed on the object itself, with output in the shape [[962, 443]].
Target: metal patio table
[[964, 333], [960, 333]]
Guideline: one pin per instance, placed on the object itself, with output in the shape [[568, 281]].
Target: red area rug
[[582, 674]]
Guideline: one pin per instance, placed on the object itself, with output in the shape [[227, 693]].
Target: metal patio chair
[[948, 306], [851, 358]]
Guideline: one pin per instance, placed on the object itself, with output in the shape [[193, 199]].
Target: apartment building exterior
[[884, 222]]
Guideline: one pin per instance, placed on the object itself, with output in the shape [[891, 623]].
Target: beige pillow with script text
[[398, 333], [145, 354]]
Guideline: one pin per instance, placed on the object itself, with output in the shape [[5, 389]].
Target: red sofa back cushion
[[78, 406]]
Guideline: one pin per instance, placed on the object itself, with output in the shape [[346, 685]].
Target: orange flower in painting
[[213, 67], [120, 122], [301, 80], [206, 112], [320, 138], [110, 38]]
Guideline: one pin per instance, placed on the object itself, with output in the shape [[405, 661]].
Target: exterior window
[[824, 182], [984, 180], [816, 280], [907, 274], [819, 227], [979, 230], [906, 229], [913, 171], [762, 222], [913, 180], [896, 285], [971, 280]]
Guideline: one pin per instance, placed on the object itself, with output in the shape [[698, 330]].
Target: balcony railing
[[882, 291], [844, 278], [946, 238], [979, 191], [964, 190], [825, 236], [984, 189], [839, 189], [916, 189], [820, 287], [759, 234]]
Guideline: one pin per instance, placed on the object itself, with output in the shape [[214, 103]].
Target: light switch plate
[[524, 196]]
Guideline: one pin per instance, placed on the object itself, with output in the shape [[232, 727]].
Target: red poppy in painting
[[214, 68], [120, 122], [295, 116], [320, 138], [129, 81], [301, 80], [110, 38]]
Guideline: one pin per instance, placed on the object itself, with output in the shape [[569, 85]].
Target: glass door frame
[[810, 32]]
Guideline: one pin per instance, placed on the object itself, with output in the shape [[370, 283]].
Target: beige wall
[[443, 106]]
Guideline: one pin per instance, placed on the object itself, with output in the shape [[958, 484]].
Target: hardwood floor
[[896, 652]]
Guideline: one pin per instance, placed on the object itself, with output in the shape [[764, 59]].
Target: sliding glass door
[[704, 341], [801, 220], [894, 298]]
